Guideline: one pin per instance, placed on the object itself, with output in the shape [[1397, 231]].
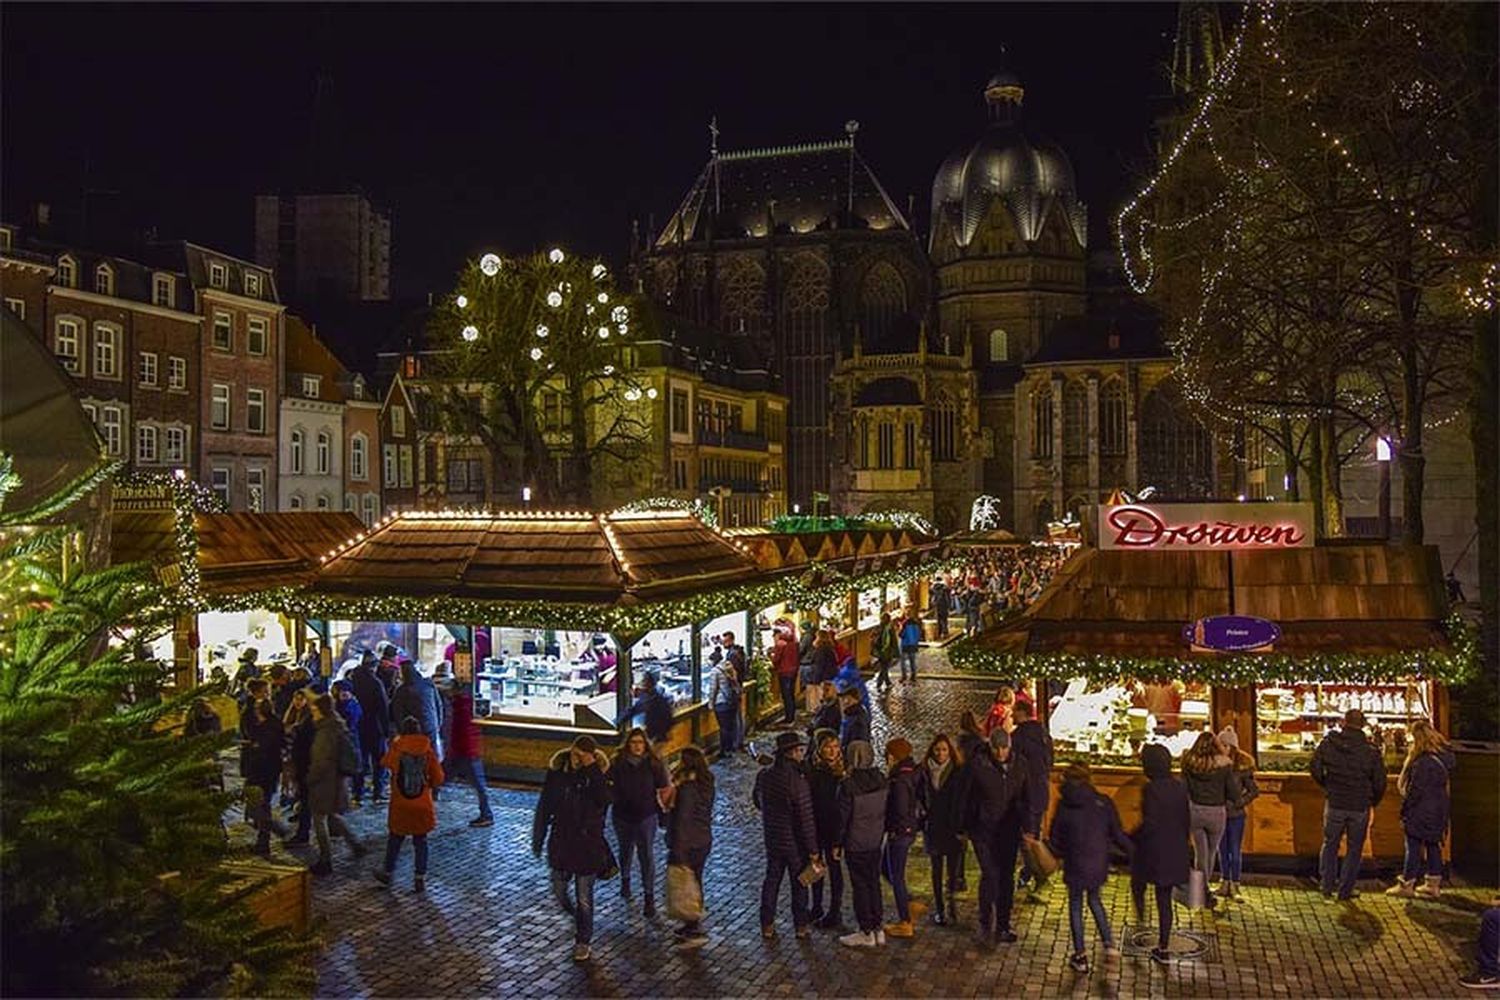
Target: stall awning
[[853, 550]]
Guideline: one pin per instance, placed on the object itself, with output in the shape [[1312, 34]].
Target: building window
[[465, 475], [999, 346], [148, 368], [886, 452], [679, 474], [679, 411], [252, 284], [371, 508], [67, 344], [176, 444], [106, 351], [104, 280], [295, 453], [1112, 418], [218, 409], [398, 422], [1041, 422], [223, 332], [5, 238], [1176, 453], [294, 502], [406, 465], [218, 275], [909, 445], [358, 452], [1075, 401], [310, 386], [255, 488], [255, 411], [255, 337], [220, 484], [882, 303], [17, 306], [110, 428], [944, 430], [145, 444], [67, 272], [177, 373], [551, 411], [389, 472], [325, 453], [161, 290], [323, 501]]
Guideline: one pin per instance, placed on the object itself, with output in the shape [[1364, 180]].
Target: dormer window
[[104, 280], [252, 284], [162, 290], [218, 275], [310, 386], [67, 272]]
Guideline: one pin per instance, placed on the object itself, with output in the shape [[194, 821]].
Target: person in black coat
[[570, 819], [785, 803], [994, 800], [1084, 829], [855, 723], [300, 730], [1033, 750], [267, 740], [690, 833], [903, 818], [1423, 785], [823, 779], [636, 782], [939, 790], [1350, 770], [1160, 856], [862, 821], [374, 726]]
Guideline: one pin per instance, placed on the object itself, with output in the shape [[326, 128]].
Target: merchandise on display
[[1293, 719], [879, 599], [668, 654], [1116, 720], [548, 674]]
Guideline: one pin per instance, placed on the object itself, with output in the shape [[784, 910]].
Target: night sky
[[518, 126]]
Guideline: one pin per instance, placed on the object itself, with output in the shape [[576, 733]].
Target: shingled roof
[[618, 558]]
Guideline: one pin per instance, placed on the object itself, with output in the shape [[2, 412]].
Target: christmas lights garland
[[697, 507]]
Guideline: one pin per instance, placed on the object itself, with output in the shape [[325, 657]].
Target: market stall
[[1156, 643]]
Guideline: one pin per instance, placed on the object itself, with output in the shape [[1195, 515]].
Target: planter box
[[286, 901]]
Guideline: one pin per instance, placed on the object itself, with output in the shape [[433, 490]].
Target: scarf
[[939, 772]]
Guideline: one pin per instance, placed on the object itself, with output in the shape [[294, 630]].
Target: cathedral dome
[[1033, 176]]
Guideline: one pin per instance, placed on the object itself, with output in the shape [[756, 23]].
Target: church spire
[[1199, 46]]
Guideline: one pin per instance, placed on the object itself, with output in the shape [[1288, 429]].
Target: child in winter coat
[[1084, 828], [415, 772]]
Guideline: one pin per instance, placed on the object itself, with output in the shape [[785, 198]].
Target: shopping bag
[[1043, 861], [684, 895], [1193, 895], [813, 872]]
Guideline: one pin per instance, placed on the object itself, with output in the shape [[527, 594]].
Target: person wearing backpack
[[331, 763], [724, 696], [415, 772]]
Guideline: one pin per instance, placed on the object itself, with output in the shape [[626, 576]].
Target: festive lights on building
[[490, 265]]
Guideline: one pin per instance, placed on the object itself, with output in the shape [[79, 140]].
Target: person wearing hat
[[785, 802], [1350, 770], [1232, 843], [247, 671], [569, 819], [993, 802], [862, 820]]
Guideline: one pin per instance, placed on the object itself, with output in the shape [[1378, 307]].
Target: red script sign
[[1212, 526]]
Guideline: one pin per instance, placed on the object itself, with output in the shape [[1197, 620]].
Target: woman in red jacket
[[465, 758], [415, 772]]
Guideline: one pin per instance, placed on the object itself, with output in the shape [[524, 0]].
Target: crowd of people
[[1000, 580]]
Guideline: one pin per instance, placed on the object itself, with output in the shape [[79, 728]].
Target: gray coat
[[327, 790]]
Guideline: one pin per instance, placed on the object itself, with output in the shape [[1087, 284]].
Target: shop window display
[[1292, 719], [879, 599], [668, 654], [1114, 721], [711, 650], [224, 635], [547, 674], [425, 643]]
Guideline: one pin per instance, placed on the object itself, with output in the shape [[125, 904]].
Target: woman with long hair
[[299, 729], [941, 796], [825, 772], [999, 717], [1423, 785], [1211, 786], [690, 833], [636, 783], [1231, 859]]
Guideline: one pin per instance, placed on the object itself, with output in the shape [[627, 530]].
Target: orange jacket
[[410, 817]]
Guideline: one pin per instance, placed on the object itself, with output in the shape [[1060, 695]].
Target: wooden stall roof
[[579, 557], [781, 551], [238, 552], [1350, 598]]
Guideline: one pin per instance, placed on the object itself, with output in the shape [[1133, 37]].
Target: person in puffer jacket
[[1423, 785], [570, 819], [824, 778], [1350, 770], [862, 813], [1084, 829], [690, 833], [903, 818], [786, 811], [1160, 856]]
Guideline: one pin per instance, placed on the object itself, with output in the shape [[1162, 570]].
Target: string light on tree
[[490, 265]]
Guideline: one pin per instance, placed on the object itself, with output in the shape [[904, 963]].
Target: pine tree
[[112, 848]]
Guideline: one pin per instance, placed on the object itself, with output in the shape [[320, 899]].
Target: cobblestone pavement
[[486, 924]]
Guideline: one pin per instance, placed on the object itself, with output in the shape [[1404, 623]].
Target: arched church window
[[1112, 417], [1176, 451], [882, 302], [886, 444], [1075, 419], [742, 298], [944, 429], [804, 306], [999, 346], [1041, 421]]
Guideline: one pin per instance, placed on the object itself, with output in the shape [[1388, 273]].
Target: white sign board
[[1184, 527]]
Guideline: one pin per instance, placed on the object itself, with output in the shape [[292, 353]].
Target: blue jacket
[[1424, 806], [655, 710], [849, 676], [855, 725], [911, 634], [1086, 825]]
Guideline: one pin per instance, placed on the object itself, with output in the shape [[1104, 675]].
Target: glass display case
[[1115, 720], [1292, 719], [668, 654], [547, 674], [224, 635], [710, 647]]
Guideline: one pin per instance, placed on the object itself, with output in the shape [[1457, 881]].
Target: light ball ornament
[[619, 314], [609, 369], [490, 265], [599, 271], [542, 331], [651, 393], [603, 333], [536, 354], [624, 329], [555, 255], [603, 298], [471, 333], [554, 299], [462, 301], [632, 394]]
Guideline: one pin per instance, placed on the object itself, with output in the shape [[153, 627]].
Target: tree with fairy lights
[[112, 849], [1312, 236], [532, 362]]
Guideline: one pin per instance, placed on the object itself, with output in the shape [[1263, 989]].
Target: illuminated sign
[[1184, 527], [1231, 633]]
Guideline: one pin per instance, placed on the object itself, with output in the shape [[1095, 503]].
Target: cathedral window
[[862, 430], [1175, 449], [909, 444], [805, 306], [886, 454], [1112, 417], [742, 298], [882, 302], [1041, 421], [944, 430], [1075, 419], [999, 346]]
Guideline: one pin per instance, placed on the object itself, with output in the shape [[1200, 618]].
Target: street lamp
[[526, 496]]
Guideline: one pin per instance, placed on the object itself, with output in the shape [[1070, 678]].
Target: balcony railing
[[737, 485], [743, 440]]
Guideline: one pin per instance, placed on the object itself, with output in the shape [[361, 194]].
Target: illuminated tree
[[532, 359]]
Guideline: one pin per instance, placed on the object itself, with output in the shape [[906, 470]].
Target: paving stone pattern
[[487, 925]]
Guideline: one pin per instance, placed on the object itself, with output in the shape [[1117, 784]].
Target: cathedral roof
[[803, 188], [1101, 338], [1032, 175]]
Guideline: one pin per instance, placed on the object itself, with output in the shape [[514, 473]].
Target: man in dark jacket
[[570, 818], [994, 798], [939, 599], [417, 698], [1352, 774], [1160, 858], [653, 708], [1033, 750], [855, 724], [785, 803], [374, 726]]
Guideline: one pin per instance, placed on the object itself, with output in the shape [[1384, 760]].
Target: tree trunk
[[1315, 482], [1333, 489], [1292, 466], [579, 476]]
